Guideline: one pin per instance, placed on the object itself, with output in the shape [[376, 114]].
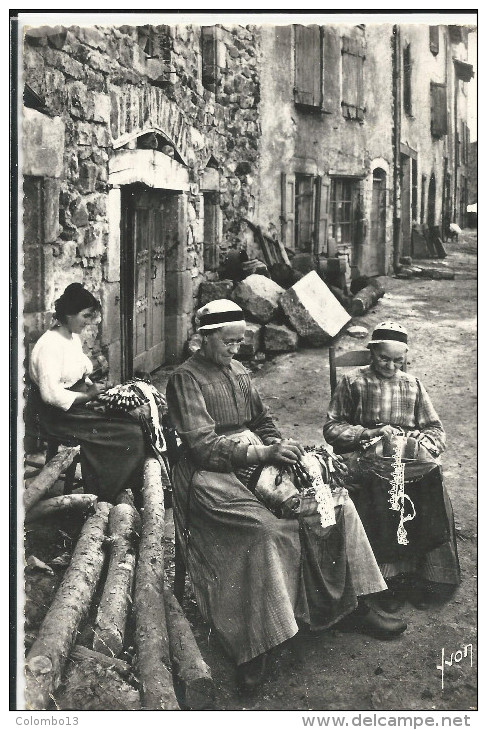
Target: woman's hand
[[287, 451], [387, 430], [96, 388]]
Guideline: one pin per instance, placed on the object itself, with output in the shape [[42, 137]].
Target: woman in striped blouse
[[382, 401]]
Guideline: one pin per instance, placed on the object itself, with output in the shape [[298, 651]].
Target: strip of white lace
[[322, 491], [397, 495]]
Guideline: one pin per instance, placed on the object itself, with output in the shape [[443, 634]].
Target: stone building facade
[[139, 145], [145, 149], [327, 153]]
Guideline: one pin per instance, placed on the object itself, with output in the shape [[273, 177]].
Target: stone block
[[176, 334], [110, 313], [114, 357], [79, 215], [252, 341], [279, 338], [102, 108], [43, 144], [92, 243], [84, 134], [102, 136], [80, 101], [313, 311], [112, 267], [179, 293], [258, 296], [87, 177], [211, 290], [51, 225]]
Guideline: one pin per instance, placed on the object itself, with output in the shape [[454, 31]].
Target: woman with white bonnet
[[244, 562], [374, 411]]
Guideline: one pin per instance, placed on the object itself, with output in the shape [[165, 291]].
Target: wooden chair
[[352, 358]]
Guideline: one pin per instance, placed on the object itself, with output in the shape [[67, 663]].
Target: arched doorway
[[378, 222]]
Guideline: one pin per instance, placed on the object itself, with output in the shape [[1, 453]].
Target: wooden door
[[143, 278], [377, 223]]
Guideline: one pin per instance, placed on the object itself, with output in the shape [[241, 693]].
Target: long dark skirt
[[431, 551], [112, 447]]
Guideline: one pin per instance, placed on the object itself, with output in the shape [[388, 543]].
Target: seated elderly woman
[[112, 447], [383, 420], [255, 575]]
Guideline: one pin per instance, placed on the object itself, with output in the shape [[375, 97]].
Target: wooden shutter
[[322, 208], [434, 39], [438, 110], [331, 70], [287, 210], [353, 55], [307, 65]]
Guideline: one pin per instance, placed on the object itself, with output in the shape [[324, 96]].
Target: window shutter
[[322, 208], [209, 57], [331, 70], [434, 39], [287, 210], [438, 110], [307, 69], [353, 55]]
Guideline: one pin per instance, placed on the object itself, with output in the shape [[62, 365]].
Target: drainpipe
[[396, 145]]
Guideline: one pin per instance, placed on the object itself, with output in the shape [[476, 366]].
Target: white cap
[[217, 313], [389, 332]]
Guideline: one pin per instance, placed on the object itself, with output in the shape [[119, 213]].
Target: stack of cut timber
[[167, 654]]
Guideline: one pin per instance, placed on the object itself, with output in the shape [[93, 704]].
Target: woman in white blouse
[[112, 447]]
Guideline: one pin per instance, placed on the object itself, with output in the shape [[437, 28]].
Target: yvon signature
[[455, 657]]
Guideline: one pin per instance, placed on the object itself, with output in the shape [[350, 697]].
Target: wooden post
[[48, 475], [153, 658], [193, 674], [57, 634], [117, 593]]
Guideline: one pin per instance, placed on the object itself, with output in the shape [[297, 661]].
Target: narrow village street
[[338, 671]]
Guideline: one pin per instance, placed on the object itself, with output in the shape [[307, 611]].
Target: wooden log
[[48, 475], [116, 600], [365, 299], [126, 497], [196, 686], [82, 653], [57, 634], [153, 658], [56, 504]]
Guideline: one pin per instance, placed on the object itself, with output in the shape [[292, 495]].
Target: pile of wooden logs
[[169, 666]]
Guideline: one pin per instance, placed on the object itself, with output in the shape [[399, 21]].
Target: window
[[407, 97], [308, 65], [423, 197], [414, 189], [342, 209], [434, 39], [353, 57], [211, 230], [305, 212], [209, 57], [438, 110]]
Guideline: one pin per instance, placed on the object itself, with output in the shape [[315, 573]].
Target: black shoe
[[390, 601], [366, 620], [251, 674]]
